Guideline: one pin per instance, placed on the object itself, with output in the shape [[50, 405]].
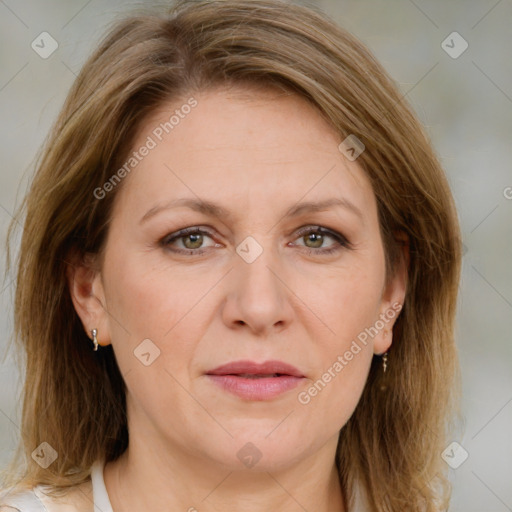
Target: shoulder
[[38, 499], [26, 501]]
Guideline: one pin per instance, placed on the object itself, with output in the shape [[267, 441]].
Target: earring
[[94, 334], [384, 362]]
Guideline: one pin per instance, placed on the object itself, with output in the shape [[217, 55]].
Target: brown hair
[[74, 398]]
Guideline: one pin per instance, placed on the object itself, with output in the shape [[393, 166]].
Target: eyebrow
[[215, 210]]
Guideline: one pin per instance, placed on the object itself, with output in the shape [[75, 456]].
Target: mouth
[[251, 369], [258, 375], [256, 381]]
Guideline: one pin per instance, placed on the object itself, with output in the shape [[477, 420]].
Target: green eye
[[316, 235], [192, 240], [196, 240], [316, 239]]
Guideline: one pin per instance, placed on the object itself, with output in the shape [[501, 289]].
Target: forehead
[[242, 148]]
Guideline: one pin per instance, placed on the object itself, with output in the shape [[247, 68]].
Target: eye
[[192, 240], [315, 236]]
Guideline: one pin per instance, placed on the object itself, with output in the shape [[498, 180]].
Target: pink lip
[[253, 368], [233, 377]]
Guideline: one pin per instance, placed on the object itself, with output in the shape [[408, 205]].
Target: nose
[[258, 298]]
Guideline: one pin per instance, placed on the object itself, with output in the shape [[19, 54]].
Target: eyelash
[[342, 242]]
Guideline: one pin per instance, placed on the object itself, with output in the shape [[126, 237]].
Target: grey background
[[466, 104]]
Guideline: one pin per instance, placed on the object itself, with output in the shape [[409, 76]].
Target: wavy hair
[[74, 398]]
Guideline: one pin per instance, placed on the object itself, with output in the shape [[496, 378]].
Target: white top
[[91, 496], [101, 501]]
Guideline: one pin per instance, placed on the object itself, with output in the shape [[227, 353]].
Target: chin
[[260, 452]]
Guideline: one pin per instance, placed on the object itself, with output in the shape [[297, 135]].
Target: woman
[[239, 209]]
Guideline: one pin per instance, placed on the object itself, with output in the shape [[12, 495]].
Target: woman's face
[[261, 275]]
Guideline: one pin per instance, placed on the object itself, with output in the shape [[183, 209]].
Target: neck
[[143, 479]]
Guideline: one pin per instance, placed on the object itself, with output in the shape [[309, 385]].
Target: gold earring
[[385, 362], [94, 334]]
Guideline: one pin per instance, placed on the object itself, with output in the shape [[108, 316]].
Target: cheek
[[346, 301], [149, 299], [348, 304], [344, 360], [155, 302], [330, 400]]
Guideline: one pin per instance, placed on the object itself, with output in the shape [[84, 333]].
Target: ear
[[393, 297], [88, 296]]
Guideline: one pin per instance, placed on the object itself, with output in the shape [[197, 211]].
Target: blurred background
[[451, 59]]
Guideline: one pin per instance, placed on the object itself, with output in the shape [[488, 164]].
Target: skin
[[256, 155]]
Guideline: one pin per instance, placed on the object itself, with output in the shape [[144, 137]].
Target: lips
[[256, 381], [251, 369]]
